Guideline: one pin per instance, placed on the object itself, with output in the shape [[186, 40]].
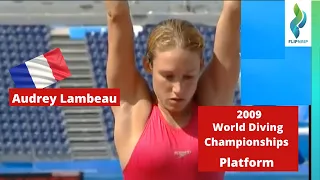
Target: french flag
[[42, 71]]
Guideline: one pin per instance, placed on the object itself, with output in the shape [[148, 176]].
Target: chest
[[168, 151]]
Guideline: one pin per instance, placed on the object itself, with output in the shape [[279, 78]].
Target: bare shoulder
[[131, 115], [207, 96], [130, 122]]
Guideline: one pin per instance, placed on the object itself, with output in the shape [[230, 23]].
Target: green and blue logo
[[299, 21]]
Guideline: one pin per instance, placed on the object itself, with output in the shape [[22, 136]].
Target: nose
[[176, 87]]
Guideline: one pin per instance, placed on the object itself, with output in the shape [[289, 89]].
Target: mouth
[[176, 99]]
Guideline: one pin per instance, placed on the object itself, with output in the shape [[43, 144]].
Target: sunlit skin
[[175, 74]]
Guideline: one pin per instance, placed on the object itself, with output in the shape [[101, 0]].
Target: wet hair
[[174, 33]]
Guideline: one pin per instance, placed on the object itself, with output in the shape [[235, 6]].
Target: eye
[[188, 77], [169, 77]]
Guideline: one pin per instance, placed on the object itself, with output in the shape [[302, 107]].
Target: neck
[[177, 119]]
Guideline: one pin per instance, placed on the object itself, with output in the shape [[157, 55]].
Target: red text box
[[248, 147]]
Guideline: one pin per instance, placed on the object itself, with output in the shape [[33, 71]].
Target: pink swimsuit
[[167, 153]]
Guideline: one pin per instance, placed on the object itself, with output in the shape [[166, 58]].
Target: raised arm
[[220, 78], [121, 69]]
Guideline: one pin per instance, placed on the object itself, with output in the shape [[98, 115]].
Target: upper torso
[[164, 152]]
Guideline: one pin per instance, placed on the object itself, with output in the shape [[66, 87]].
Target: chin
[[175, 107]]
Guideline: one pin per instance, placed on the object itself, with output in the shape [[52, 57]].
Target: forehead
[[177, 59]]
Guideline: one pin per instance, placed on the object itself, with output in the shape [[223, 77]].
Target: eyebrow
[[168, 71]]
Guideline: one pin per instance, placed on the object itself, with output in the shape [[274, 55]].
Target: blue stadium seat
[[27, 129]]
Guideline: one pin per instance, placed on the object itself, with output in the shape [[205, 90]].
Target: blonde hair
[[173, 33]]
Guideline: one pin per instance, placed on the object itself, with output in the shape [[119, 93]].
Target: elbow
[[232, 7], [119, 14], [232, 11], [117, 8]]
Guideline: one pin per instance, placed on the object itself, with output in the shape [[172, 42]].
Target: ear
[[147, 65]]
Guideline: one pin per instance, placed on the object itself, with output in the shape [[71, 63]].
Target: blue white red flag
[[42, 71]]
